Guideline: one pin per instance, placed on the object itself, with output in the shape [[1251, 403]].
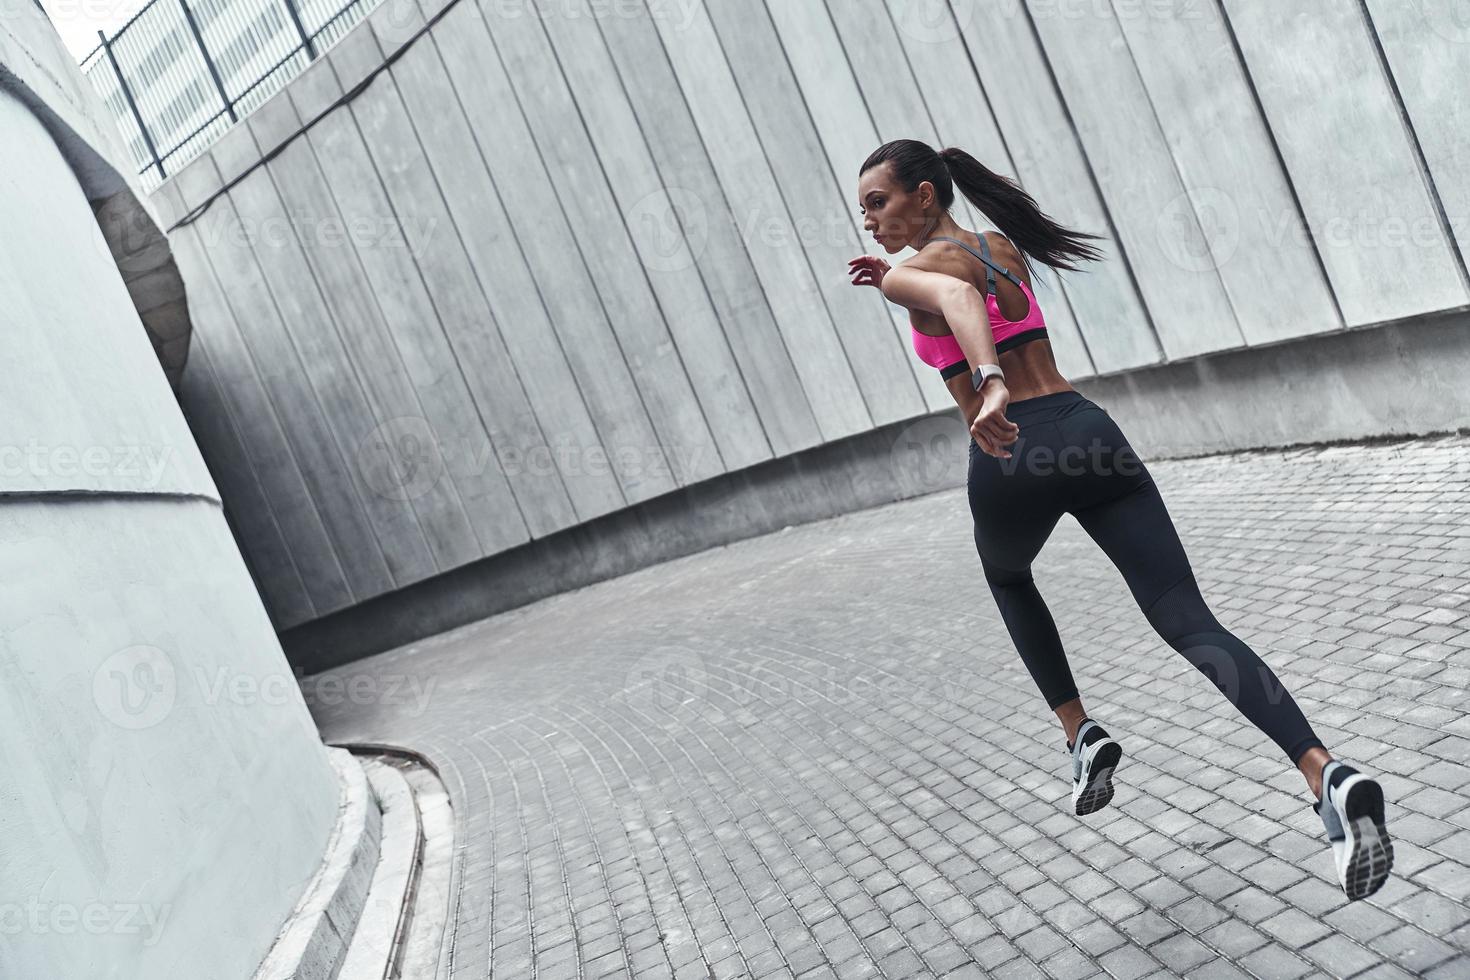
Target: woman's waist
[[1047, 406]]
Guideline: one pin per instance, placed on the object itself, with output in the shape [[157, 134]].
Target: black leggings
[[1071, 457]]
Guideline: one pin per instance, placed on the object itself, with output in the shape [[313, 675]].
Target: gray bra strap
[[989, 264]]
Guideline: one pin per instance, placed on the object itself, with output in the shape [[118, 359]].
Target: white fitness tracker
[[977, 379]]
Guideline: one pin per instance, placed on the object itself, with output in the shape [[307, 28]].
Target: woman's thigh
[[1097, 462], [1015, 502]]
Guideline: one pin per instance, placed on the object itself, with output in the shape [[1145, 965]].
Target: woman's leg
[[1014, 514], [1135, 531]]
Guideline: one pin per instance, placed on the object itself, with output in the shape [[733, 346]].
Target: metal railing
[[181, 72]]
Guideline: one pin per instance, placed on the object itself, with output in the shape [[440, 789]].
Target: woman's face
[[891, 214]]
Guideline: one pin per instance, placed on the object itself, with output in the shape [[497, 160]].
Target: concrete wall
[[550, 265], [166, 796]]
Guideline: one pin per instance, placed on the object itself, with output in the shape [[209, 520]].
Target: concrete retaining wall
[[166, 796], [540, 270]]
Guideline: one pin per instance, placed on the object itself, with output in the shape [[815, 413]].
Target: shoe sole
[[1097, 790], [1369, 850]]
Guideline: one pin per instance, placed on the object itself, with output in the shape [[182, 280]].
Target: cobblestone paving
[[817, 754]]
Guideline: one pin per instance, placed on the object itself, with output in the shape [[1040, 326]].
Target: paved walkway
[[816, 753]]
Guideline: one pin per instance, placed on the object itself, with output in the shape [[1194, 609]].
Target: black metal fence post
[[128, 95], [204, 52], [300, 31]]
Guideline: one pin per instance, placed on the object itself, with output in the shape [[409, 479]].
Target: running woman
[[1039, 449]]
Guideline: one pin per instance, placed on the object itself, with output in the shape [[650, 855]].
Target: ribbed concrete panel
[[1118, 127], [597, 256], [263, 287], [333, 180], [523, 350], [816, 202], [1427, 45], [693, 221], [437, 304], [594, 359], [1050, 163], [684, 450], [1251, 229], [759, 215], [850, 119], [735, 438], [250, 402], [1350, 157], [269, 556], [393, 538]]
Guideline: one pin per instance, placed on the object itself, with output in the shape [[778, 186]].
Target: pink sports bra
[[944, 352]]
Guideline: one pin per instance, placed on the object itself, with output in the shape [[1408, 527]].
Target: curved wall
[[548, 265], [166, 796]]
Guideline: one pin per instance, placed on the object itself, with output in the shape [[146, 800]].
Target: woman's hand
[[991, 429], [868, 270]]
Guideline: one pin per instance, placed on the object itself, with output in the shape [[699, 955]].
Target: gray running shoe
[[1351, 809], [1094, 757]]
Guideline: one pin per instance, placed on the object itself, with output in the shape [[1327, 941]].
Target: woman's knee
[[1180, 610], [1002, 576]]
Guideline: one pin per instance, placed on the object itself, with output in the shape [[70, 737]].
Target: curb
[[314, 938], [402, 928]]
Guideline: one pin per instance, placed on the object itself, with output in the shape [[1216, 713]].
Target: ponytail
[[1001, 199], [1016, 214]]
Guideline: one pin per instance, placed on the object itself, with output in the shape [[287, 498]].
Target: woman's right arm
[[963, 308]]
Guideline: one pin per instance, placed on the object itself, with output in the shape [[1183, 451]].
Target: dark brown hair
[[1002, 200]]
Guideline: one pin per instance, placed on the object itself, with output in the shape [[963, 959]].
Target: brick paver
[[816, 753]]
